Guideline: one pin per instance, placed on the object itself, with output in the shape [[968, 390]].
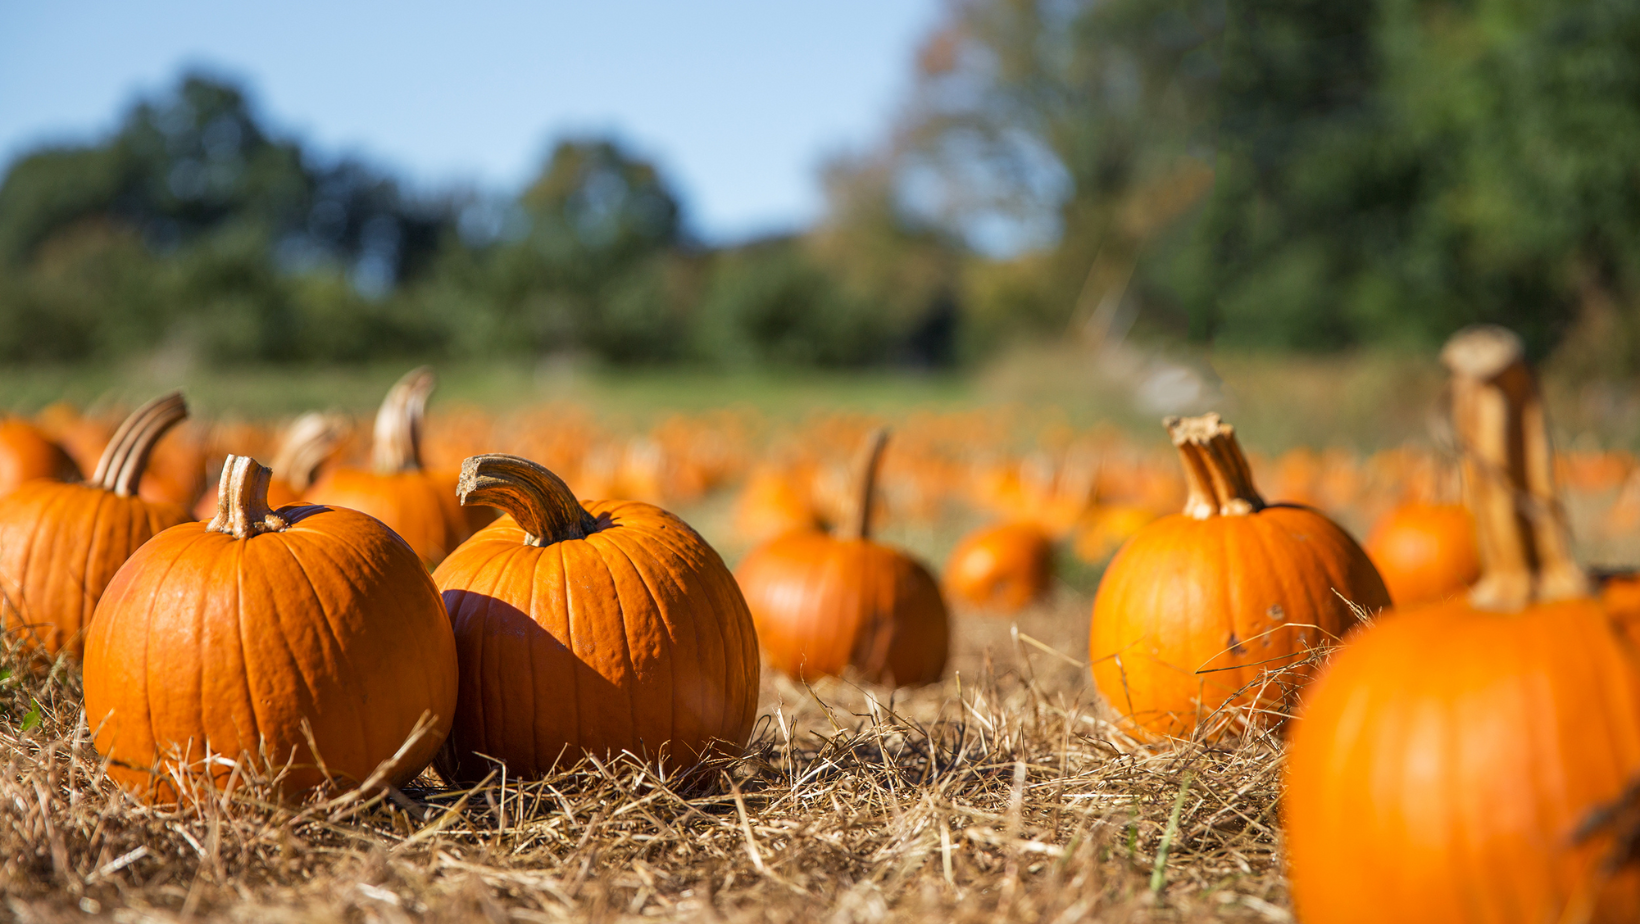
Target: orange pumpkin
[[27, 454], [418, 505], [823, 603], [266, 635], [1456, 761], [60, 544], [306, 444], [1198, 612], [1003, 568], [600, 628], [1425, 552]]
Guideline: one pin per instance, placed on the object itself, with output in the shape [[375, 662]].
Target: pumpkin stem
[[397, 445], [125, 457], [1216, 472], [1520, 525], [542, 504], [308, 442], [871, 460], [242, 500]]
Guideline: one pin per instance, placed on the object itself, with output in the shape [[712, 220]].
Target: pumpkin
[[417, 504], [593, 629], [1204, 619], [823, 603], [306, 444], [267, 635], [61, 543], [1425, 552], [27, 454], [1003, 568], [1456, 761]]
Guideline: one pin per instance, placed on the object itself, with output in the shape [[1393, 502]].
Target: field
[[1000, 793]]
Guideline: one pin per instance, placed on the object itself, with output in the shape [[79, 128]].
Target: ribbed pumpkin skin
[[1004, 567], [27, 454], [60, 545], [632, 639], [419, 506], [1442, 763], [1192, 611], [1425, 552], [821, 603], [204, 641]]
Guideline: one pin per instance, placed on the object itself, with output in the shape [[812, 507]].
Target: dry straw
[[1002, 794]]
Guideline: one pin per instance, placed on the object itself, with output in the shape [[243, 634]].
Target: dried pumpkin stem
[[126, 457], [1520, 525], [871, 459], [545, 507], [1219, 480], [397, 443], [242, 500], [308, 442]]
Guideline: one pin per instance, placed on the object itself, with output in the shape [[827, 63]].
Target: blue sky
[[739, 102]]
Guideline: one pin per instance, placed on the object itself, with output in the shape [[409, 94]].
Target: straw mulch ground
[[1000, 794]]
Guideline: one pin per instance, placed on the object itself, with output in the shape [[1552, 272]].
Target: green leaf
[[31, 718]]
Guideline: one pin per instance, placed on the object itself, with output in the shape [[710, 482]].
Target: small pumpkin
[[60, 543], [1425, 552], [1457, 760], [27, 454], [823, 603], [597, 628], [1003, 568], [267, 634], [415, 503], [1198, 609], [306, 444]]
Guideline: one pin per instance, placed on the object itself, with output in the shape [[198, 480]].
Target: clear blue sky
[[739, 102]]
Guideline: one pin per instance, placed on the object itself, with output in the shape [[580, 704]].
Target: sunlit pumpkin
[[1455, 761], [415, 503], [1001, 568], [27, 454], [263, 635], [61, 543], [824, 603], [596, 629], [1204, 619], [1425, 552]]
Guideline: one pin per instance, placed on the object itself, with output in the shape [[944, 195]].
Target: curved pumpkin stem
[[871, 460], [397, 444], [125, 457], [1520, 525], [308, 442], [1216, 472], [542, 504], [242, 500]]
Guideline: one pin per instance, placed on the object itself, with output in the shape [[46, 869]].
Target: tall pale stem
[[1217, 476], [125, 458], [871, 459]]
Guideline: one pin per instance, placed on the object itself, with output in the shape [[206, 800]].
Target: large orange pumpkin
[[60, 544], [27, 454], [262, 635], [1455, 762], [1425, 552], [415, 503], [823, 603], [1203, 619], [600, 628], [1002, 568]]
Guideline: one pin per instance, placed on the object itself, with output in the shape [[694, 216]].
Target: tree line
[[1279, 174]]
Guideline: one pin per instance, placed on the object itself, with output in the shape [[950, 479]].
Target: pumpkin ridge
[[569, 640], [475, 606], [341, 650], [148, 657], [31, 546], [539, 558], [664, 611], [620, 603]]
